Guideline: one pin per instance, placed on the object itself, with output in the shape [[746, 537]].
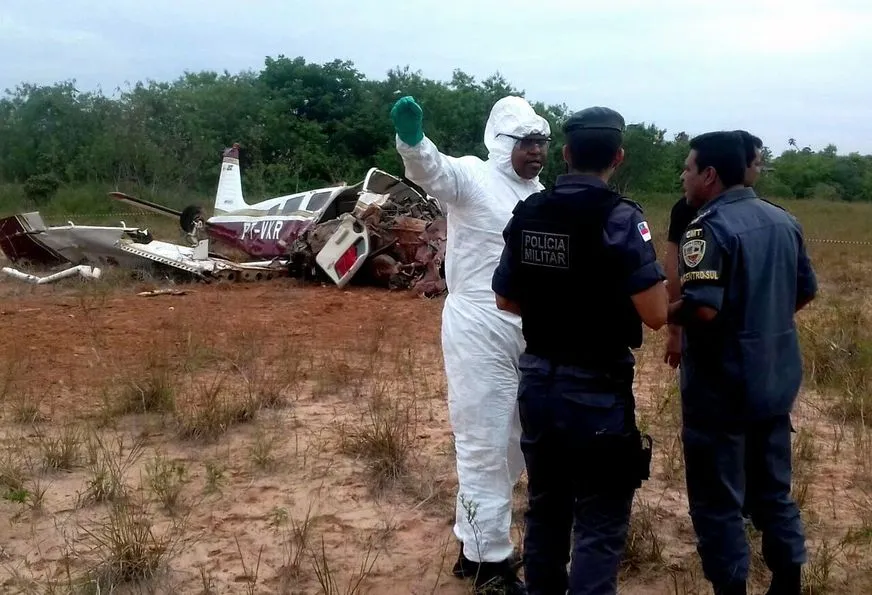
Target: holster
[[619, 461], [646, 449]]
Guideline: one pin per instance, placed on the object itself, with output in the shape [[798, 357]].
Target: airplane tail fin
[[229, 195]]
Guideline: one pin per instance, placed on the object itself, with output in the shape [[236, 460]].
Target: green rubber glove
[[408, 117]]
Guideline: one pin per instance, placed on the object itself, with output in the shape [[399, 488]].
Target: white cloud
[[781, 68], [16, 31]]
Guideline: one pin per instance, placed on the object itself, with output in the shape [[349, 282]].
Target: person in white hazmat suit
[[481, 344]]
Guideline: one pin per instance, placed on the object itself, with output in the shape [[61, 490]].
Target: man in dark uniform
[[681, 214], [744, 272], [580, 269]]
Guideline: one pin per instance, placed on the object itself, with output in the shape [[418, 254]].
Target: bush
[[41, 188]]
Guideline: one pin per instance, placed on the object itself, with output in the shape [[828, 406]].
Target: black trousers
[[563, 411], [729, 468]]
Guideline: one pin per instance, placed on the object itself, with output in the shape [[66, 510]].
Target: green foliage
[[41, 187], [303, 124]]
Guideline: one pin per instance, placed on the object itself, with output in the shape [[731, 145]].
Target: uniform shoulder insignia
[[767, 201], [693, 248], [632, 203], [644, 230], [694, 230], [700, 216]]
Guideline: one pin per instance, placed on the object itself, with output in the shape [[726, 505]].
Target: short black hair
[[723, 151], [752, 144], [593, 149]]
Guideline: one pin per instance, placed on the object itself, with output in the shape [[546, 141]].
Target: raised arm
[[441, 176]]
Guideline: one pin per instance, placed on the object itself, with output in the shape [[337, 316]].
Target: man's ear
[[619, 158], [710, 176], [566, 158]]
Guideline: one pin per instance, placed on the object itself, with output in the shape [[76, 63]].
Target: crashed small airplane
[[26, 238], [380, 231]]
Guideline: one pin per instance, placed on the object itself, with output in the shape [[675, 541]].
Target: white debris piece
[[87, 272]]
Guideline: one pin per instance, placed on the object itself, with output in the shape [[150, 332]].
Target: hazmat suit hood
[[511, 116]]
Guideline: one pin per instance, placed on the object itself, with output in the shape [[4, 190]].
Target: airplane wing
[[145, 204], [197, 262]]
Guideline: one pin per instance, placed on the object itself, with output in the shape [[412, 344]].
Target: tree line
[[303, 124]]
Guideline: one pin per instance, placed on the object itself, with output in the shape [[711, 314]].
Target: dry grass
[[153, 393], [129, 547], [328, 580], [211, 411], [837, 348], [60, 451], [287, 440], [167, 481], [107, 468], [383, 436], [13, 473], [295, 538], [644, 548]]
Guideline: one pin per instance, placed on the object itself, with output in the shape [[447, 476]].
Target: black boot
[[491, 578], [737, 588], [466, 568], [497, 578], [786, 582]]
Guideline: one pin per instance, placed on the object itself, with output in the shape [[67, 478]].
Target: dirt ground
[[274, 437]]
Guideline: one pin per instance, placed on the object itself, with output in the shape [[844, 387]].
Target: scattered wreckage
[[390, 239], [381, 231], [26, 238]]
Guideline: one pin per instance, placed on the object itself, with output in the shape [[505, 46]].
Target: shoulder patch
[[692, 232], [692, 252], [699, 216], [644, 231], [632, 203], [773, 204]]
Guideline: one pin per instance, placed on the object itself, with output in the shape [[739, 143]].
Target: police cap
[[594, 118]]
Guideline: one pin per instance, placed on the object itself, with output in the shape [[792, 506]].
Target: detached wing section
[[197, 261], [145, 204], [26, 238]]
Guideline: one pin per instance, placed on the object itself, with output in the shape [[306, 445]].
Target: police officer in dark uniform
[[679, 217], [580, 268], [744, 273]]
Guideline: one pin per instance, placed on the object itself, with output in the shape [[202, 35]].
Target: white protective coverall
[[481, 345]]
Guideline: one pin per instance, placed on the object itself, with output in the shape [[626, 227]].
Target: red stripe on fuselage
[[18, 245], [260, 238]]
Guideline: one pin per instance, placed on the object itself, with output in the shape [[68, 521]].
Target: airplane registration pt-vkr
[[332, 224]]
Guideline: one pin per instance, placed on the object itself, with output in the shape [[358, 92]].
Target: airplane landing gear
[[191, 222]]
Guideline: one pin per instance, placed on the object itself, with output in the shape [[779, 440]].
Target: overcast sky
[[780, 69]]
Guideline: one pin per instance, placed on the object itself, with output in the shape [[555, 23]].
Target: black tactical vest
[[574, 304]]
